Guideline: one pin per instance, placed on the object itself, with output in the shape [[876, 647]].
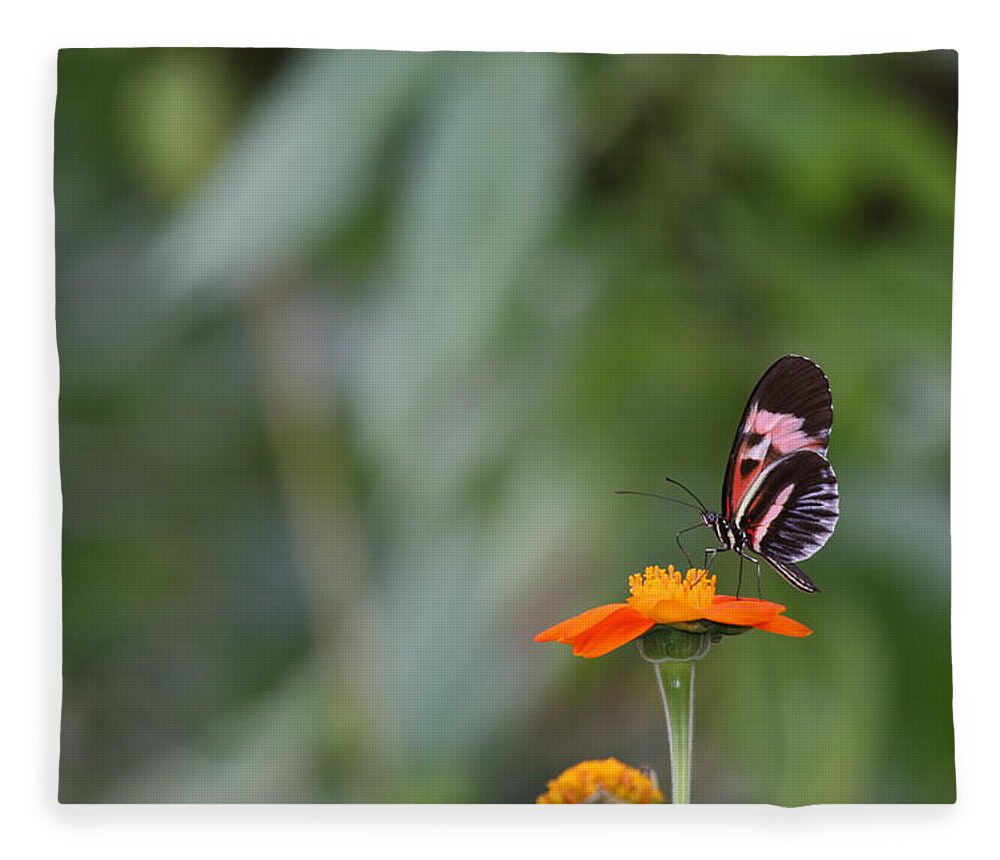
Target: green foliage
[[356, 346]]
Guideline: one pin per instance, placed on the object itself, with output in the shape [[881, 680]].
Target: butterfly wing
[[790, 511], [790, 410]]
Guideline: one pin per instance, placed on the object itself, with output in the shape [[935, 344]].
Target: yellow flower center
[[607, 781], [695, 589]]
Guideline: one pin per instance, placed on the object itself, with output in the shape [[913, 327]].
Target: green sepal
[[726, 629], [670, 642], [685, 640]]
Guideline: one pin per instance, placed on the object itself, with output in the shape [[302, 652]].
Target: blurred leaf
[[355, 347], [294, 171]]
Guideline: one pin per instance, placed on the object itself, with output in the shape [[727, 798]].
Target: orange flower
[[665, 597], [607, 781]]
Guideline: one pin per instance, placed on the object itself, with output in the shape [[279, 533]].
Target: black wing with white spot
[[789, 410], [790, 512]]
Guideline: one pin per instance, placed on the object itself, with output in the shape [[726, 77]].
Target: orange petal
[[566, 631], [673, 611], [729, 598], [619, 628], [785, 626], [745, 612]]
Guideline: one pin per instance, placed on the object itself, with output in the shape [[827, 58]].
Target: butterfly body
[[780, 498], [730, 535]]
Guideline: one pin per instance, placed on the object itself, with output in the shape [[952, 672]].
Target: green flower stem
[[675, 679]]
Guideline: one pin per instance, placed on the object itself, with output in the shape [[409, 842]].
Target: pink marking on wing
[[787, 435], [791, 440], [797, 441], [764, 421], [777, 506]]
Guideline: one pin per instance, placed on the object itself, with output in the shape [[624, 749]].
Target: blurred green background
[[355, 347]]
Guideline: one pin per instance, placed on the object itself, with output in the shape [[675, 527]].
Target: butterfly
[[779, 495]]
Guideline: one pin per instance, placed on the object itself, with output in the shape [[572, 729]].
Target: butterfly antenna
[[655, 496], [701, 505]]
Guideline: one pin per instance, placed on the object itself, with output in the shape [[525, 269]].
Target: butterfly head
[[709, 518]]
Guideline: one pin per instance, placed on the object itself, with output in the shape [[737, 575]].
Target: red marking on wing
[[782, 435]]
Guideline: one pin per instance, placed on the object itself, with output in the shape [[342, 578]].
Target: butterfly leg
[[756, 563], [710, 554], [678, 539]]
